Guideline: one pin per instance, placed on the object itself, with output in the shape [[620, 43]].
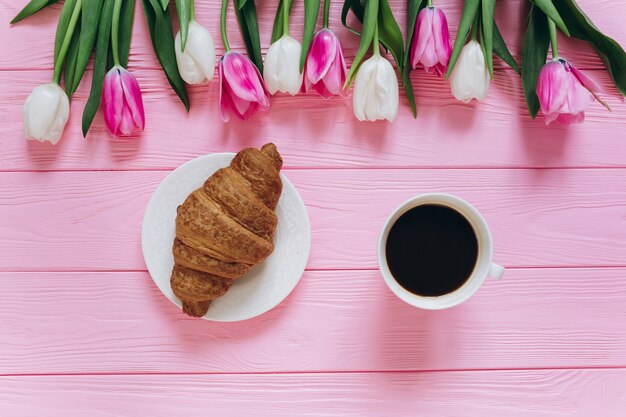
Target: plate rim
[[299, 201]]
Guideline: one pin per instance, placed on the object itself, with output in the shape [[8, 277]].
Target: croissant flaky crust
[[225, 227]]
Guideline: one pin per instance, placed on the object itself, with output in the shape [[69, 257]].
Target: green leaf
[[608, 50], [547, 7], [164, 4], [414, 7], [277, 28], [534, 55], [127, 15], [487, 32], [357, 10], [249, 25], [99, 64], [470, 8], [71, 59], [239, 4], [64, 21], [31, 8], [183, 8], [160, 26], [502, 51], [90, 17], [390, 34], [311, 11], [370, 18]]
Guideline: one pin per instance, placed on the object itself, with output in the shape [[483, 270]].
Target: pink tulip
[[564, 92], [122, 104], [431, 41], [325, 68], [242, 91]]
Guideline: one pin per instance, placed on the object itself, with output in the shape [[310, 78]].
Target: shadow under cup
[[483, 265]]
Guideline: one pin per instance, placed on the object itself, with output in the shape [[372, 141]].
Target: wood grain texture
[[92, 220], [312, 132], [36, 34], [486, 394], [333, 321]]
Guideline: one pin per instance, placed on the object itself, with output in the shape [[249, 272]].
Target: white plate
[[268, 283]]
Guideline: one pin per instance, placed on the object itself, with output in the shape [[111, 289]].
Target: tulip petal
[[196, 64], [426, 50], [421, 36], [552, 86], [243, 77], [470, 77], [361, 92], [231, 102], [132, 99], [388, 83], [271, 68], [335, 76], [45, 113], [587, 82], [112, 100], [441, 37], [569, 119], [281, 71], [187, 67], [225, 103], [376, 90], [564, 92], [322, 55]]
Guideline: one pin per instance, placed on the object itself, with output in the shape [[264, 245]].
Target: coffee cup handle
[[496, 271]]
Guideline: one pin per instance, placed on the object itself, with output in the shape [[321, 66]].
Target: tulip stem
[[223, 25], [553, 39], [115, 32], [376, 46], [326, 12], [192, 11], [58, 64], [286, 10], [429, 3]]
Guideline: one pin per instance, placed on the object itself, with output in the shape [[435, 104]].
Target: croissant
[[225, 227]]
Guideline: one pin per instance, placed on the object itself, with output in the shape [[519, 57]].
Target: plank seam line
[[337, 372], [105, 271], [331, 168]]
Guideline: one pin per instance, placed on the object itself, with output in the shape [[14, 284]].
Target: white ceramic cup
[[483, 268]]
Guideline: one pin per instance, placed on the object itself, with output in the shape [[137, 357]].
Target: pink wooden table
[[85, 332]]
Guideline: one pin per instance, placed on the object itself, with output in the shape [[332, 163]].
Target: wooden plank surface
[[542, 393], [120, 322], [92, 220], [84, 331], [313, 132]]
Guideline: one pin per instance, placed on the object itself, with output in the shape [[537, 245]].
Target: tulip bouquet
[[102, 28]]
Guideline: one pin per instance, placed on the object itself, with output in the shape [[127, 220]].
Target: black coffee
[[431, 250]]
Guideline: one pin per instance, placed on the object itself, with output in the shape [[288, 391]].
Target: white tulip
[[197, 63], [45, 113], [470, 77], [281, 71], [375, 94]]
